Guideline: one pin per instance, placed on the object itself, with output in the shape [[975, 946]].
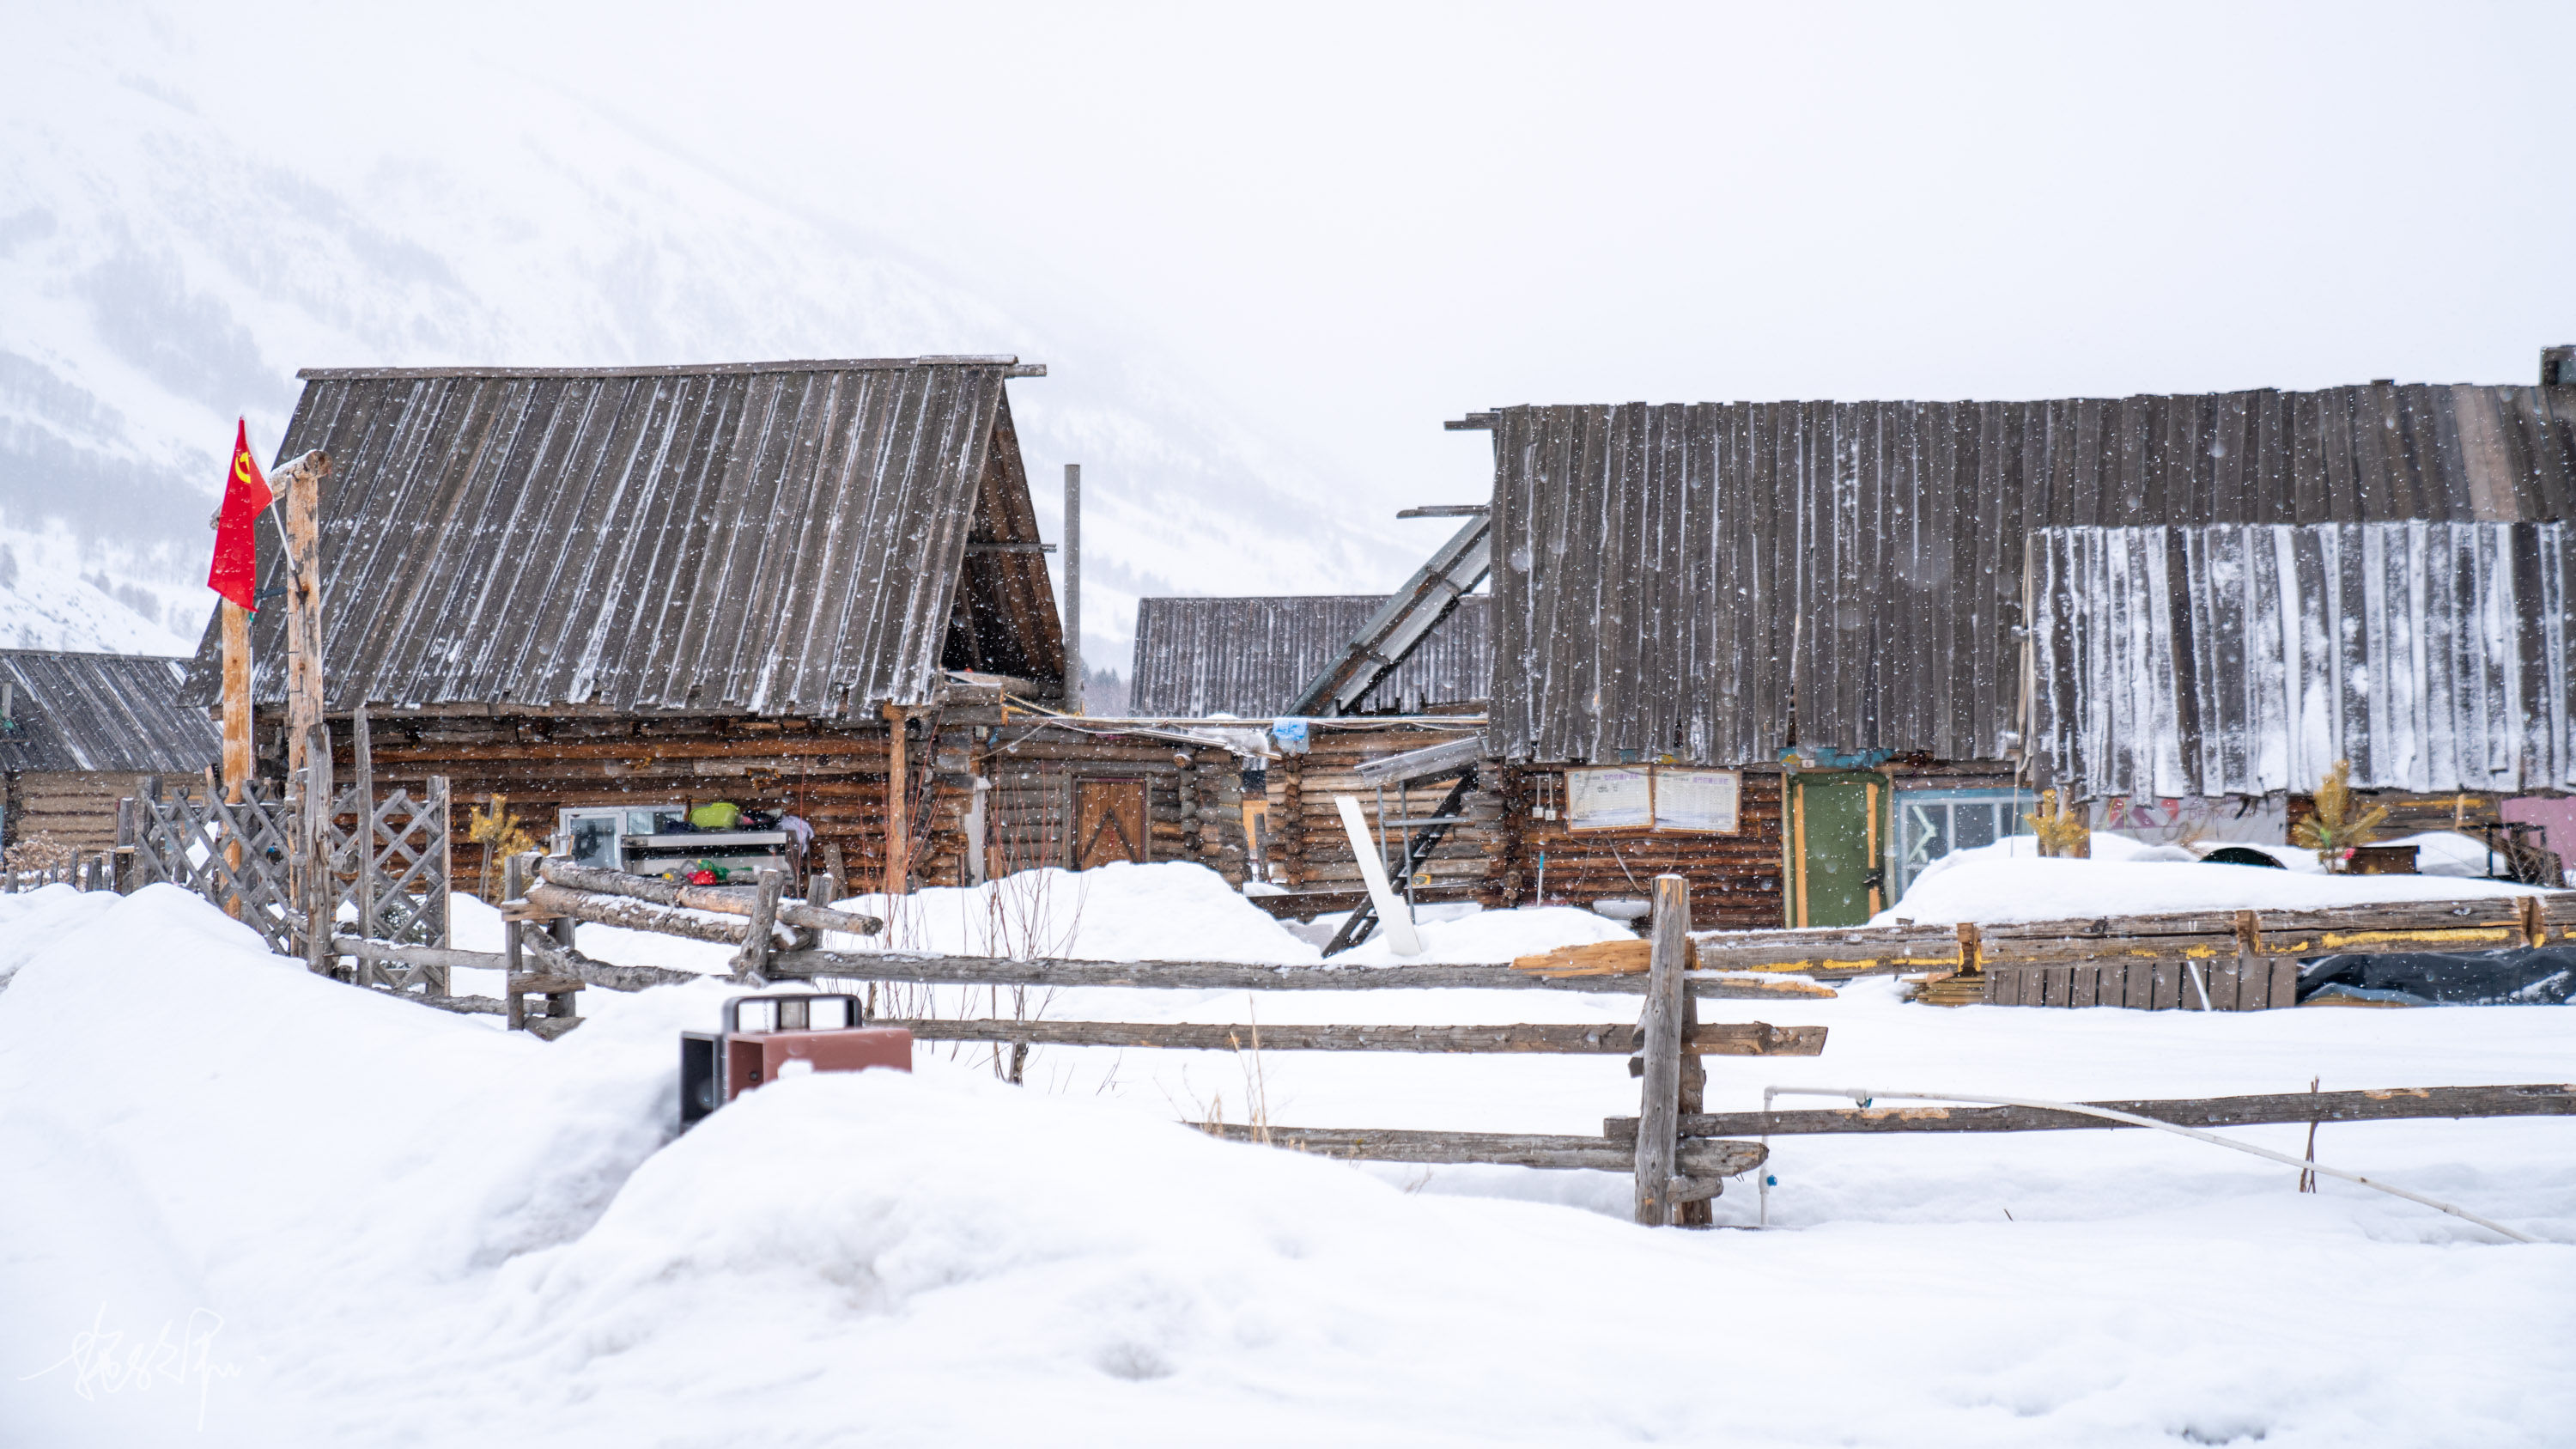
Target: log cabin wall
[[75, 807], [1735, 879], [833, 774], [1311, 851], [1193, 796]]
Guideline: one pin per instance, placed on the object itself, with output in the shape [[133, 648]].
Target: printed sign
[[1610, 798], [1703, 801]]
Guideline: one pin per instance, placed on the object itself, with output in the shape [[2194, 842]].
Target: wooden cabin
[[609, 596], [78, 732], [1253, 657], [1827, 609]]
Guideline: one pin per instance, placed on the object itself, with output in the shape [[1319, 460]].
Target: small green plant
[[502, 835], [2064, 831], [2334, 830]]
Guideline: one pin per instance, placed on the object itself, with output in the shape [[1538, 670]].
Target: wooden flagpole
[[237, 751], [898, 861], [317, 895]]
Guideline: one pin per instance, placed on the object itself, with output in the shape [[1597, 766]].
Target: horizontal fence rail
[[1731, 1039], [1701, 1161], [2549, 1099], [1229, 976]]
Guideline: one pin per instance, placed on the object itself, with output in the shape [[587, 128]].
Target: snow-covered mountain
[[175, 242]]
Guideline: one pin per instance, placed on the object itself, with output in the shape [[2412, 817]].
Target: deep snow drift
[[364, 1222], [2007, 881]]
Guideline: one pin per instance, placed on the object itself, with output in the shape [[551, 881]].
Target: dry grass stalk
[[1256, 1082]]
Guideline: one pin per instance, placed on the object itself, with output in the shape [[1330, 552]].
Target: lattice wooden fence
[[392, 860], [389, 857], [235, 855]]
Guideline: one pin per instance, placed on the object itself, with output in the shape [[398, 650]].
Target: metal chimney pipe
[[1073, 588]]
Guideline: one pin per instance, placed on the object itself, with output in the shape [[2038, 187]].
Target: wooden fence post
[[514, 886], [320, 893], [364, 766], [1698, 1212], [1660, 1036], [751, 962], [443, 841]]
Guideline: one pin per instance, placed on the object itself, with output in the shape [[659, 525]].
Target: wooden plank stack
[[2236, 960]]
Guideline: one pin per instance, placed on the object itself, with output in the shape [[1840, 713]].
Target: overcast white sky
[[1339, 225], [1354, 222]]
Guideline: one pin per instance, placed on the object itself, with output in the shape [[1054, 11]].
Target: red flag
[[235, 574]]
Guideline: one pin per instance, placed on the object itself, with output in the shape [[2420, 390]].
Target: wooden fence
[[235, 854], [388, 856], [2189, 961], [778, 939]]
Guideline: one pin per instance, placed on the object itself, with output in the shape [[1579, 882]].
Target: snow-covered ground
[[243, 1205], [2006, 881]]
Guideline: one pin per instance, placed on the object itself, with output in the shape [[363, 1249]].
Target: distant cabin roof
[[758, 538], [109, 712], [1710, 580], [1254, 656]]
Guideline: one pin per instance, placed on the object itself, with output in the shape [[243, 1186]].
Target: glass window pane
[[1976, 825]]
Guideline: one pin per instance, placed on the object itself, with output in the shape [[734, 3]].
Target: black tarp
[[2526, 977]]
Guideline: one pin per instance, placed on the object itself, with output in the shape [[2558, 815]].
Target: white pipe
[[1865, 1096]]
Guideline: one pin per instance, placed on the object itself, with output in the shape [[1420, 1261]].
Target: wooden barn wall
[[75, 807], [1707, 580], [2246, 660], [1193, 796]]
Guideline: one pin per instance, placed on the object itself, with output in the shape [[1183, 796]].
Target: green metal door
[[1833, 840]]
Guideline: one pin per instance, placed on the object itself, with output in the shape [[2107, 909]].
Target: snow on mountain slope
[[175, 240], [46, 602]]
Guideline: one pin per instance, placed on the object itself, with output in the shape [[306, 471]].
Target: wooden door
[[1834, 845], [1108, 822]]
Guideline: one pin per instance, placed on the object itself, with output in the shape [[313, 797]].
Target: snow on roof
[[85, 712]]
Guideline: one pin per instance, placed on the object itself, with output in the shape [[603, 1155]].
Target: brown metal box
[[756, 1057]]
